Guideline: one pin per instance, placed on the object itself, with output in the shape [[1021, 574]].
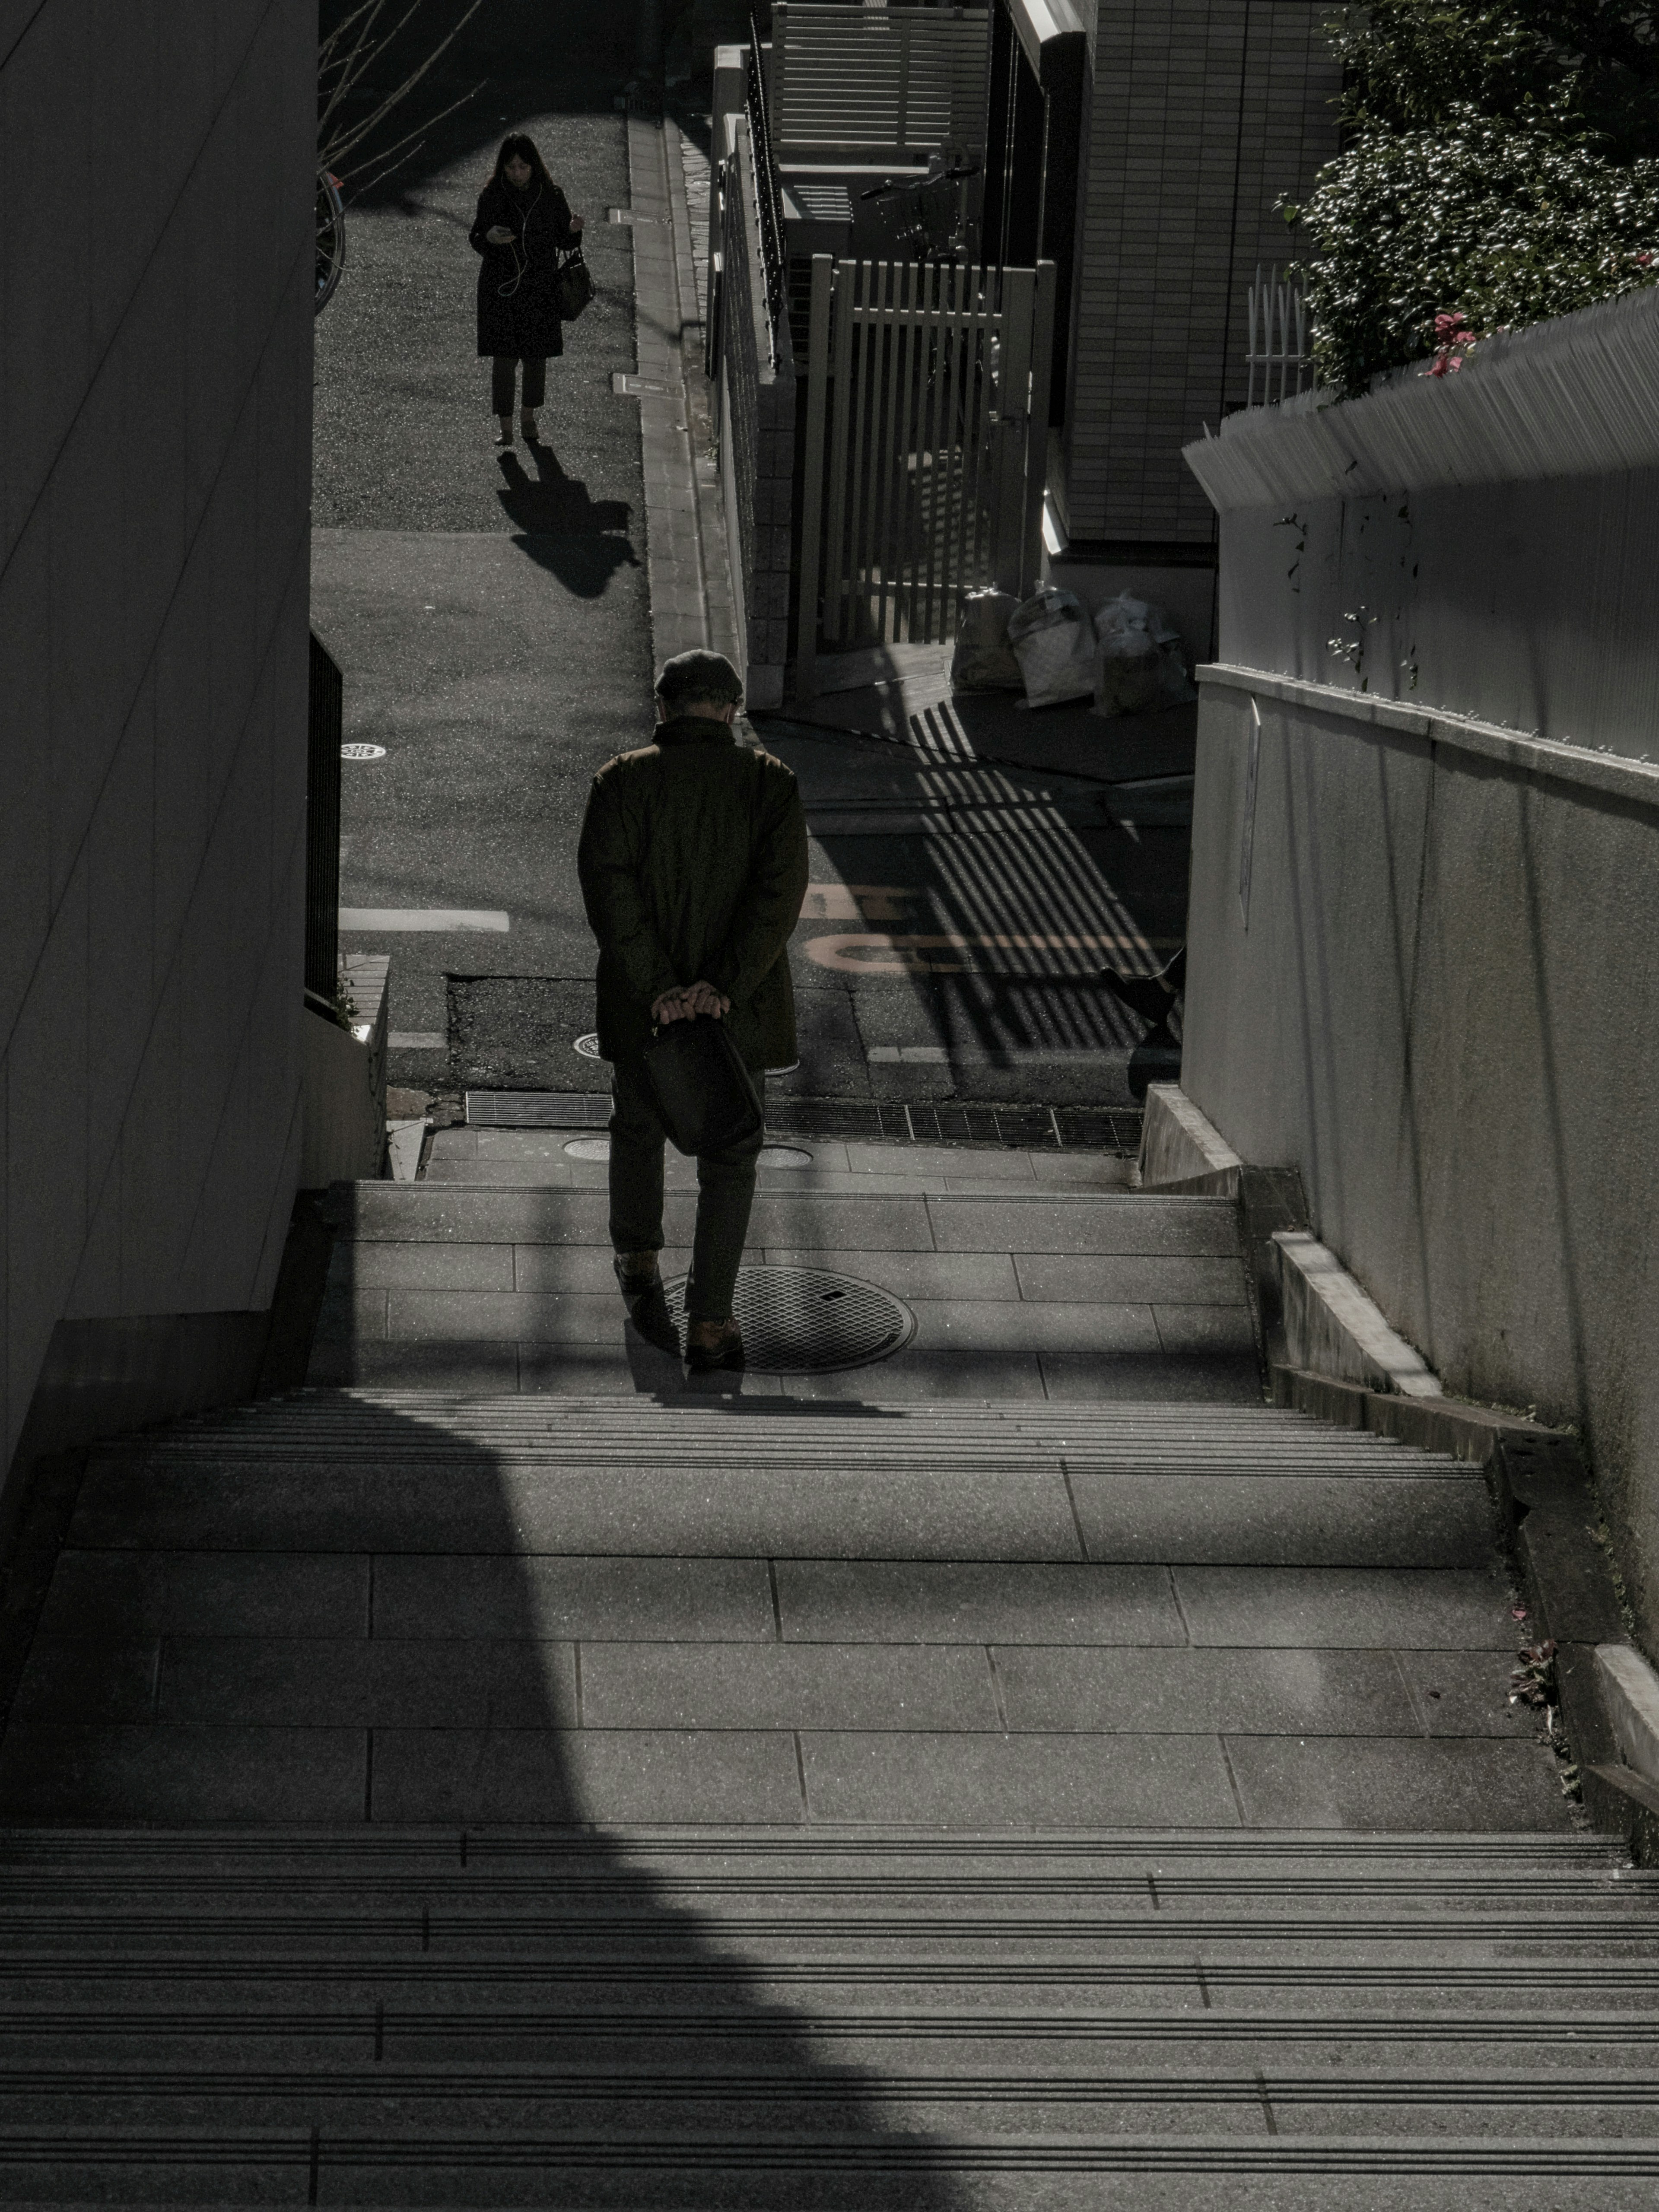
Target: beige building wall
[[156, 167]]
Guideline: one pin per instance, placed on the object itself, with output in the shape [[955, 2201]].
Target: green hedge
[[1501, 166]]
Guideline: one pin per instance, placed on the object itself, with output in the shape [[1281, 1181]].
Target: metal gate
[[925, 455]]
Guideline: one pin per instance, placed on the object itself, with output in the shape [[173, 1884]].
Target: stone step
[[1255, 1488], [1611, 2046], [539, 1157], [1033, 1857], [1095, 1931], [1264, 1436], [1143, 1898], [863, 2164], [1232, 1520], [1074, 1293], [569, 2102], [1326, 1996], [935, 1182], [1081, 1221]]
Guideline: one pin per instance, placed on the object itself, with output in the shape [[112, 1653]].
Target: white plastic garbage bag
[[1138, 661], [983, 659], [1054, 642]]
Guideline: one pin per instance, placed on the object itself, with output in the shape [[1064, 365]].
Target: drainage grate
[[796, 1321], [1116, 1129], [537, 1110]]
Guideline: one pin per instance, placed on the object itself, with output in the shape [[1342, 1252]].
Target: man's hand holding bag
[[704, 1092]]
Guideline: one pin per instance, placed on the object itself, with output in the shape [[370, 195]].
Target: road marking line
[[379, 918], [878, 952]]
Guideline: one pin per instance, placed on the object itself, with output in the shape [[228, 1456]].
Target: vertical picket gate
[[925, 453]]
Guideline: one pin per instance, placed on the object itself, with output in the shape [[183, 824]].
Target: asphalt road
[[488, 611]]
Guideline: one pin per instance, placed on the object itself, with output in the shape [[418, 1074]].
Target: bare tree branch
[[333, 150], [392, 154], [352, 66], [325, 47]]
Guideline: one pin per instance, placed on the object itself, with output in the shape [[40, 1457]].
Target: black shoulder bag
[[704, 1092], [573, 287]]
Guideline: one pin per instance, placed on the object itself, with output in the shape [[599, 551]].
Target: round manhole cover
[[796, 1321], [362, 752], [588, 1047], [769, 1156]]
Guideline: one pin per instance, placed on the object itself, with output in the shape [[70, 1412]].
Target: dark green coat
[[693, 864]]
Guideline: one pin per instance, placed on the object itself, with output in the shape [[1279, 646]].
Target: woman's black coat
[[517, 311]]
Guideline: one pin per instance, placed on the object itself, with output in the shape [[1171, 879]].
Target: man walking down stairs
[[1022, 1770]]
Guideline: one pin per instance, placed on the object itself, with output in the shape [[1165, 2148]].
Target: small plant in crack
[[1534, 1682]]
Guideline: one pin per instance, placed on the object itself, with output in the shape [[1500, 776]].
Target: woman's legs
[[535, 390], [501, 368]]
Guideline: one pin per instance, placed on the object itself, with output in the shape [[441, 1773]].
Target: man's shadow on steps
[[581, 541]]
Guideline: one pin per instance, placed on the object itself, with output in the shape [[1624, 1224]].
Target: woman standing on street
[[523, 224]]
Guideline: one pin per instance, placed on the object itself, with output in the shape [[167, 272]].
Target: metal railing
[[323, 825], [1276, 354], [767, 191]]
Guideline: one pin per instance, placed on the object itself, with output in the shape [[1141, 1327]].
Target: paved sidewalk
[[489, 610], [691, 600]]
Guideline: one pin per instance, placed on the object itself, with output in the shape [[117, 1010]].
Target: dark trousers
[[500, 382], [726, 1191]]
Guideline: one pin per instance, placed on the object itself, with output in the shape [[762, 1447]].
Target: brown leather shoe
[[713, 1344]]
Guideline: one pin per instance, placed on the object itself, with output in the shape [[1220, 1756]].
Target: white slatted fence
[[925, 455], [878, 80]]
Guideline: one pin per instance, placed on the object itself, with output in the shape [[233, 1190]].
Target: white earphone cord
[[507, 291]]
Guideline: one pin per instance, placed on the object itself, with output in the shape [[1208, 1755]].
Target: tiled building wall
[[154, 483], [1203, 115]]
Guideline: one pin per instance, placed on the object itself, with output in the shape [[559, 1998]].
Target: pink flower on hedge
[[1452, 338]]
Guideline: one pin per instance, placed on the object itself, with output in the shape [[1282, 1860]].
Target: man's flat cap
[[698, 675]]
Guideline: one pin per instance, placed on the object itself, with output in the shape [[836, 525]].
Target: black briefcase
[[706, 1095]]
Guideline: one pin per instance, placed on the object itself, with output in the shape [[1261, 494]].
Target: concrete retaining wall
[[154, 481], [1423, 973]]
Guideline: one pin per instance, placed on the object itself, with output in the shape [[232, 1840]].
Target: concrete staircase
[[554, 1786], [869, 2019], [1029, 1274]]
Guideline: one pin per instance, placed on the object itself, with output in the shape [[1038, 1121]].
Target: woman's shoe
[[711, 1345], [504, 430], [532, 436]]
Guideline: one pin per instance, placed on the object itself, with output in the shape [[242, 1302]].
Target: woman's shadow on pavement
[[581, 541]]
